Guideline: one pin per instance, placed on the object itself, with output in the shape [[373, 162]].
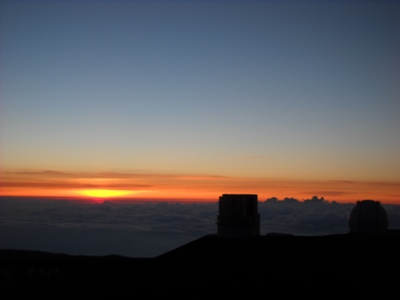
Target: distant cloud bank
[[153, 228]]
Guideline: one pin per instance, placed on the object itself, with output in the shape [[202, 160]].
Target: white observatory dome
[[368, 216]]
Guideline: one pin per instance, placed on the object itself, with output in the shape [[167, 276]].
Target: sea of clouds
[[153, 228]]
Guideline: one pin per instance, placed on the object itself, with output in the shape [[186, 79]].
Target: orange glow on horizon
[[104, 193], [187, 188]]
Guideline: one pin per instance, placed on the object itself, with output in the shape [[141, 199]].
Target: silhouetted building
[[238, 216], [368, 216]]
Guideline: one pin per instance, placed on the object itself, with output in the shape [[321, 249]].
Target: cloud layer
[[150, 229]]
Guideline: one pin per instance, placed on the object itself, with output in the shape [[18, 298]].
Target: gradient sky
[[192, 99]]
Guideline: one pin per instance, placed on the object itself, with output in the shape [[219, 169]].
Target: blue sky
[[300, 90]]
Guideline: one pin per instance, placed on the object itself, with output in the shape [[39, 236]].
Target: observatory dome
[[368, 216]]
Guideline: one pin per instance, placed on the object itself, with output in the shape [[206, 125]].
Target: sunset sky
[[187, 100]]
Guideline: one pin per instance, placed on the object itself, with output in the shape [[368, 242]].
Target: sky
[[189, 100]]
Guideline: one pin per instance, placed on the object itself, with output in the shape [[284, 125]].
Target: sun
[[104, 193]]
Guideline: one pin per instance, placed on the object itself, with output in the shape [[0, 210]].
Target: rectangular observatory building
[[238, 216]]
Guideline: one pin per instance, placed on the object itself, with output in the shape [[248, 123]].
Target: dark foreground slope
[[335, 266]]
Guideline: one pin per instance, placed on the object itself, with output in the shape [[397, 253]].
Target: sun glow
[[103, 193]]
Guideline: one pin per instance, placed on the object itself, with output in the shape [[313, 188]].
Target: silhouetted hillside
[[362, 265]]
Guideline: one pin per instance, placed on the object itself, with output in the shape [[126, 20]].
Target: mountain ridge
[[355, 264]]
